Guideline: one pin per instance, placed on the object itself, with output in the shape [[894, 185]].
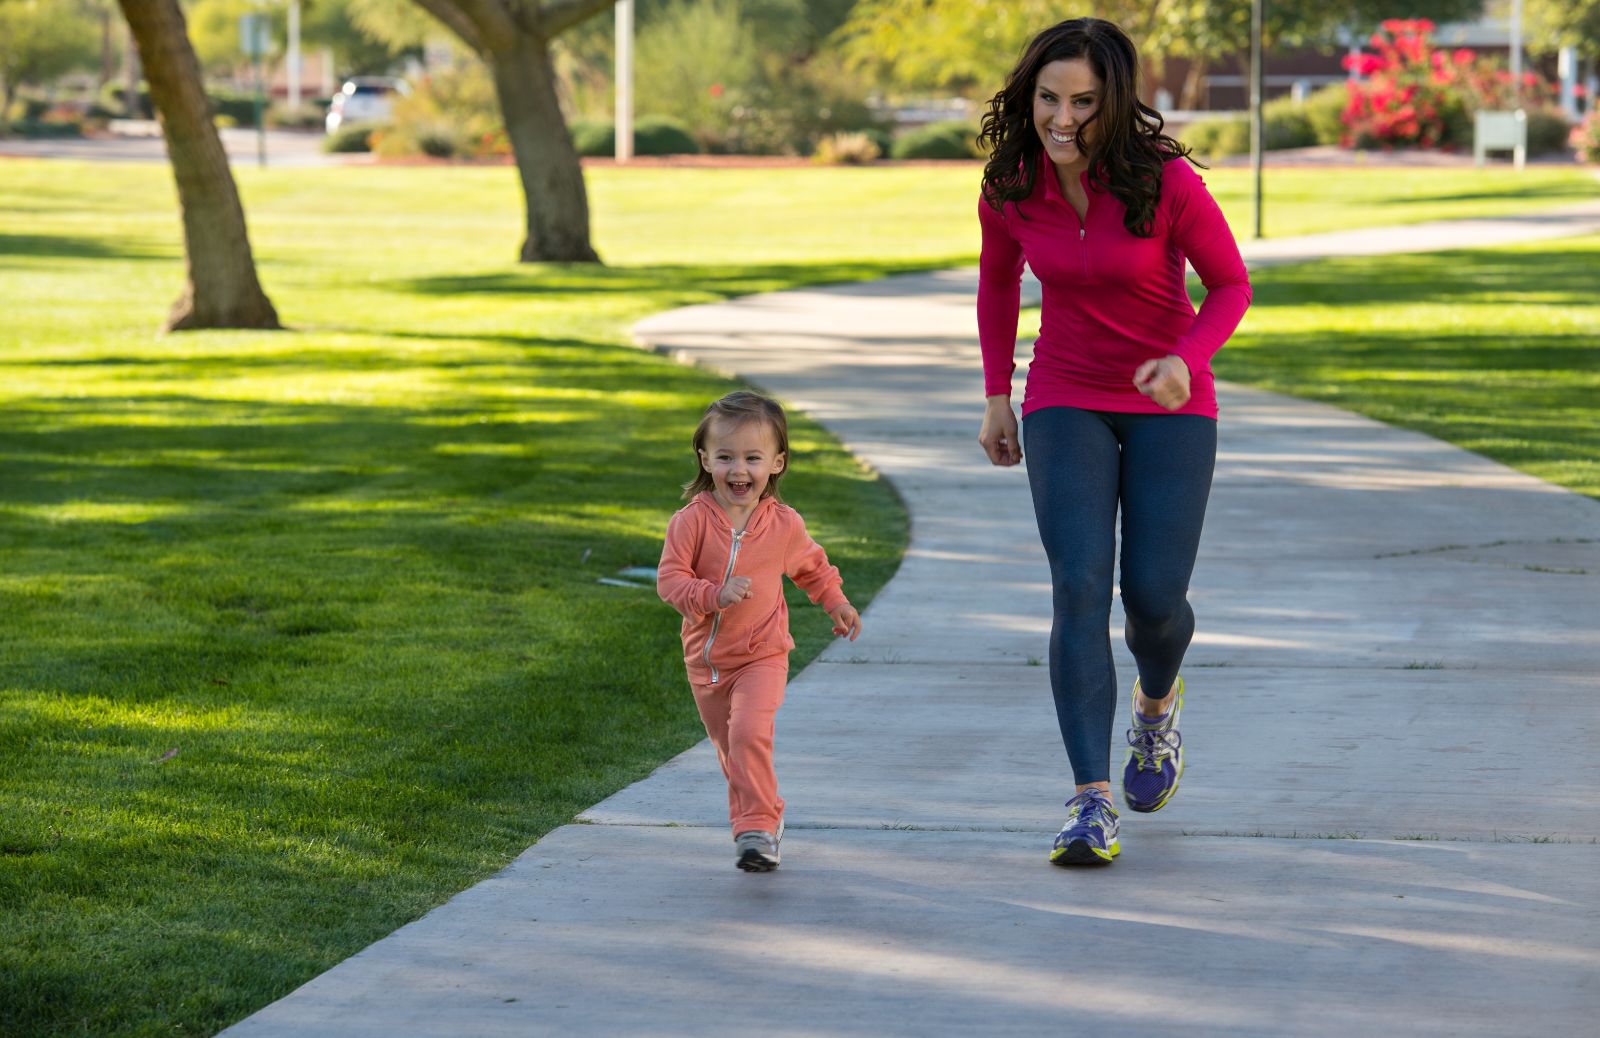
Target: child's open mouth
[[739, 489]]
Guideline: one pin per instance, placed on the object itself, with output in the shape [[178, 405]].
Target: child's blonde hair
[[736, 409]]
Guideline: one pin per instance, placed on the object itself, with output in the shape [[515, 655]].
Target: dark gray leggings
[[1081, 464]]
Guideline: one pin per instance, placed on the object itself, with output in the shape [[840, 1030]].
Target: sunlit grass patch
[[1494, 350]]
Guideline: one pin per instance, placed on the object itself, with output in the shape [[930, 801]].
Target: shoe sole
[[1082, 852], [755, 861]]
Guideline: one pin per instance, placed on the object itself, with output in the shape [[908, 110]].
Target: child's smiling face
[[741, 458]]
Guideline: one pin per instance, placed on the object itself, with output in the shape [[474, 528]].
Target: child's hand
[[846, 621], [737, 589]]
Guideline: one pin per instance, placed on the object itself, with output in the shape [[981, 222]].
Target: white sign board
[[1500, 131], [253, 35]]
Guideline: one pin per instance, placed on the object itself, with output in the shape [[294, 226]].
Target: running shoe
[[1090, 835], [1155, 758], [758, 849]]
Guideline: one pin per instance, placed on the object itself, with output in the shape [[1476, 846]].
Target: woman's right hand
[[999, 432]]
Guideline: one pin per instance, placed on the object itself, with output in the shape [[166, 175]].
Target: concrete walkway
[[1388, 824]]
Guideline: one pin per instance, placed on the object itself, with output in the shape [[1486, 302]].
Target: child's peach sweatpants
[[739, 712]]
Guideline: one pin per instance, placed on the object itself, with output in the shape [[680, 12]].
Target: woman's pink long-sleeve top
[[702, 551], [1111, 300]]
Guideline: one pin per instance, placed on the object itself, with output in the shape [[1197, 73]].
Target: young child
[[722, 567]]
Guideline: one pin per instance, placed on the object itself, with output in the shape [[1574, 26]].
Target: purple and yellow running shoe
[[1155, 758], [1090, 835]]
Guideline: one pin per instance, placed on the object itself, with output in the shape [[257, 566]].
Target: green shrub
[[449, 113], [658, 135], [437, 142], [881, 137], [1324, 109], [1287, 124], [652, 135], [593, 137], [240, 106], [1549, 133], [113, 96], [946, 140], [306, 117], [350, 137], [1218, 138], [54, 128], [847, 149]]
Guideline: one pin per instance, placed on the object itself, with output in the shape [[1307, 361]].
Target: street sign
[[254, 35]]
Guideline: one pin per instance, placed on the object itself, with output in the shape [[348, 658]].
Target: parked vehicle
[[364, 99]]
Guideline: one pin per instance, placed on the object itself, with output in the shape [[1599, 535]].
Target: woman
[[1120, 408]]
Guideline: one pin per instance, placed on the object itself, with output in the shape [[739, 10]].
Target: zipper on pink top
[[716, 622], [1083, 229]]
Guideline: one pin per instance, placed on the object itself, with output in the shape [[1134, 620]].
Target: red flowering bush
[[1413, 95], [1586, 137]]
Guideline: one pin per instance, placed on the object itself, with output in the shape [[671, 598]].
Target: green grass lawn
[[301, 632], [1311, 201], [1495, 350]]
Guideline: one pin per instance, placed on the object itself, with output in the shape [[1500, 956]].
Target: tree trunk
[[1191, 84], [547, 163], [108, 51], [220, 285]]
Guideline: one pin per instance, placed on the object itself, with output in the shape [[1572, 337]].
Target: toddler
[[726, 554]]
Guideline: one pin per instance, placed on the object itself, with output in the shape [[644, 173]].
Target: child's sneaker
[[1155, 757], [758, 849], [1090, 835]]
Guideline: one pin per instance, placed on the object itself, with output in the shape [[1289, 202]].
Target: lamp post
[[624, 100], [1516, 53], [1257, 122], [292, 61]]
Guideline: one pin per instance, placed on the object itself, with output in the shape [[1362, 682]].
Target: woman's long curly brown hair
[[1128, 149]]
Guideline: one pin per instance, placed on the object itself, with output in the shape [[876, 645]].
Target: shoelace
[[1087, 809], [1149, 744]]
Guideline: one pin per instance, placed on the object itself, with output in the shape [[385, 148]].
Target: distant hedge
[[652, 135], [946, 140]]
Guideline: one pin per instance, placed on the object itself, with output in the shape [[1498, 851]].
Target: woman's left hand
[[1166, 381]]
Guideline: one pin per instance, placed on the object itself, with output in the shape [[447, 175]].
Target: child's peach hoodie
[[702, 552]]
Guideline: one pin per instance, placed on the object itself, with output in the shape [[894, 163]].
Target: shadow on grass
[[1575, 192], [13, 246], [1555, 273], [721, 281]]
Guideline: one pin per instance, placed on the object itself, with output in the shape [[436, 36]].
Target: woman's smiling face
[[1065, 96]]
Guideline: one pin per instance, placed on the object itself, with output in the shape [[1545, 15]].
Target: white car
[[364, 99]]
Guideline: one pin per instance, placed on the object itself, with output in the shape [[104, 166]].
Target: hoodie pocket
[[731, 643]]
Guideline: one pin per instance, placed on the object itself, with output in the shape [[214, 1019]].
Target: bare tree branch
[[460, 18], [557, 16]]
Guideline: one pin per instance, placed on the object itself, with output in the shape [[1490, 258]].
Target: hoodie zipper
[[716, 622]]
